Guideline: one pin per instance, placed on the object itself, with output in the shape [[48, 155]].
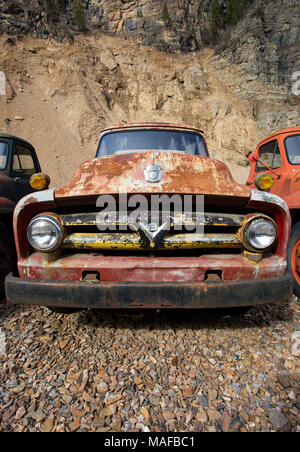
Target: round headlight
[[260, 233], [44, 233]]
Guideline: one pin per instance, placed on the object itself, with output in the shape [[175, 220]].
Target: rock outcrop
[[169, 25], [259, 59]]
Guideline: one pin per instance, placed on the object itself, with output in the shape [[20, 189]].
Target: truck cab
[[20, 175], [276, 169], [18, 162]]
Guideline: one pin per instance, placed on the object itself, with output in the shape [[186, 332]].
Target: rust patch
[[185, 174]]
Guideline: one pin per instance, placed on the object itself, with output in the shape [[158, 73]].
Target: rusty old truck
[[117, 235], [19, 176], [276, 169]]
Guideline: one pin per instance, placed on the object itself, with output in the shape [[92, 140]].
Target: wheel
[[8, 258], [63, 310], [293, 257]]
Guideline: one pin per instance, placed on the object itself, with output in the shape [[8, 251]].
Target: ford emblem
[[153, 173]]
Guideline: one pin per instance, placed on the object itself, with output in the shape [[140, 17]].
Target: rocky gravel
[[167, 371]]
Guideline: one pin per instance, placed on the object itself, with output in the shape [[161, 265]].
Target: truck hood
[[125, 173]]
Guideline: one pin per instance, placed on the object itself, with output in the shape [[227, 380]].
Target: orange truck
[[276, 169]]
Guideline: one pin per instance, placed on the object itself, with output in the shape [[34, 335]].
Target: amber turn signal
[[39, 181], [264, 181]]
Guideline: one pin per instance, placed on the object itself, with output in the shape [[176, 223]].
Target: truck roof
[[12, 137], [153, 125], [281, 132]]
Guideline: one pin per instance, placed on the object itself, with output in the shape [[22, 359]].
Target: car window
[[3, 155], [292, 146], [23, 160], [132, 141], [269, 154]]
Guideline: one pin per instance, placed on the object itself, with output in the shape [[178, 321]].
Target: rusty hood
[[125, 173]]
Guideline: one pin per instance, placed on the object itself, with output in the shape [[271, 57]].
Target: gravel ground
[[217, 370]]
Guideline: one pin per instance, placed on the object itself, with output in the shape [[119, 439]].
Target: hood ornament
[[153, 173]]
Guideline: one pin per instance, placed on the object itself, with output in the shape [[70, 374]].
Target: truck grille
[[181, 232]]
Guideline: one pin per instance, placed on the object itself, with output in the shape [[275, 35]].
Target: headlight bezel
[[54, 221], [252, 222]]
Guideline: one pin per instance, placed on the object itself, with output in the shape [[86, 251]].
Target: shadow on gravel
[[7, 309], [234, 318]]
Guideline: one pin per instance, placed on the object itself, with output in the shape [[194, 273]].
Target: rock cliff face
[[266, 43], [259, 59], [136, 64], [168, 25], [182, 25]]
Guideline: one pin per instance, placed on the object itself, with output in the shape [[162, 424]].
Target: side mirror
[[40, 181], [253, 157]]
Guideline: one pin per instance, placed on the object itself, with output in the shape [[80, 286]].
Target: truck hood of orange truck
[[125, 173]]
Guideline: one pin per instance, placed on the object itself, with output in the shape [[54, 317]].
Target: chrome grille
[[217, 231]]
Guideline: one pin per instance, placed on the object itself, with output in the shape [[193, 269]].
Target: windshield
[[3, 155], [292, 146], [126, 142]]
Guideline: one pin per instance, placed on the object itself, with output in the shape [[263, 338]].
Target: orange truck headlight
[[39, 181], [264, 181]]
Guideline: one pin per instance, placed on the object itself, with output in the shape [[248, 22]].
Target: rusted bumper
[[112, 295]]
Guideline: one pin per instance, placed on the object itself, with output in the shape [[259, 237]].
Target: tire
[[8, 260], [293, 257], [63, 310]]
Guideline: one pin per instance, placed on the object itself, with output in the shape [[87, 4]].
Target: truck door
[[292, 148], [24, 165]]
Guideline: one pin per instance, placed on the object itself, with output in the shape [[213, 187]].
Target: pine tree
[[79, 18], [215, 20], [165, 15]]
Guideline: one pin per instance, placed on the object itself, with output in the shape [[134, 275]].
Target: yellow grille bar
[[127, 241], [121, 219]]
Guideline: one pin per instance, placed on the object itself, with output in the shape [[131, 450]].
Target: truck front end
[[128, 232]]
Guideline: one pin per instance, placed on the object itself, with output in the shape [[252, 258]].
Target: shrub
[[55, 7], [235, 11], [259, 12]]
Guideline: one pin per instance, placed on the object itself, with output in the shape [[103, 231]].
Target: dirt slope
[[66, 93]]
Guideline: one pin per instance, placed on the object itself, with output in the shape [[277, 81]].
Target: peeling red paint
[[184, 174], [135, 268]]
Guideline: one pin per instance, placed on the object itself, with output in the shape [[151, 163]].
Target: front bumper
[[116, 295]]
